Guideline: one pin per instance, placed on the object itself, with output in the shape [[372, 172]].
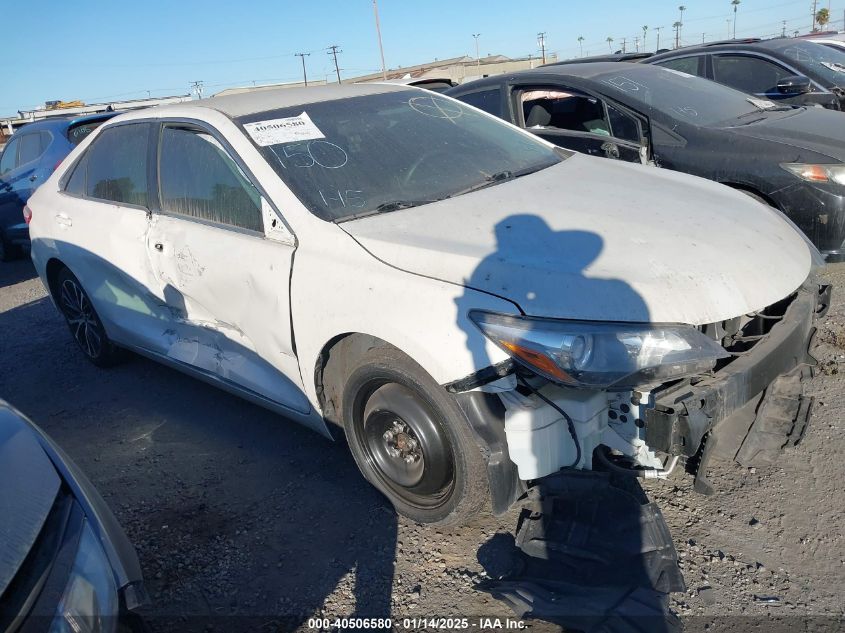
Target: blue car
[[29, 158]]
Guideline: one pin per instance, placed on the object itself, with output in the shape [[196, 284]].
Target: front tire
[[83, 321], [411, 440]]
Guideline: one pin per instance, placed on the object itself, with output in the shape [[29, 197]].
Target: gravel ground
[[243, 521]]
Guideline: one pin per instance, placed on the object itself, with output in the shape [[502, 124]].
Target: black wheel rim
[[81, 318], [405, 445]]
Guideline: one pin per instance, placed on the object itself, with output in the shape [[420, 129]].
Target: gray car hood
[[813, 129], [28, 487], [601, 240]]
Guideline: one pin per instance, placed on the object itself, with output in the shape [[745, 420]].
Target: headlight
[[817, 173], [89, 603], [601, 355]]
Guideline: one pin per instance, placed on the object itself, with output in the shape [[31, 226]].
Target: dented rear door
[[225, 283]]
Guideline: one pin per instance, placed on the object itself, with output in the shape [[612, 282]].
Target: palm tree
[[735, 4], [609, 42], [581, 44], [823, 17], [681, 8], [645, 31]]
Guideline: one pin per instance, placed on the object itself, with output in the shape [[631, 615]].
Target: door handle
[[159, 246]]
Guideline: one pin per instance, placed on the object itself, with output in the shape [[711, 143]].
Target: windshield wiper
[[386, 207], [495, 179]]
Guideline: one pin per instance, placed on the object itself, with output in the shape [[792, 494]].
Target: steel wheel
[[405, 445]]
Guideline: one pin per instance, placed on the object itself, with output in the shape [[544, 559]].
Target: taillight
[[27, 214]]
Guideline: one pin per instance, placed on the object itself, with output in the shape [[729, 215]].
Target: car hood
[[29, 487], [813, 129], [601, 240]]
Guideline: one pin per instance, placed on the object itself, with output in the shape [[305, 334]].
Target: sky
[[96, 50]]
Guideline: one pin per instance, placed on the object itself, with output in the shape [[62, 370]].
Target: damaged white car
[[475, 309]]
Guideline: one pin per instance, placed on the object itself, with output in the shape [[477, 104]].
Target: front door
[[581, 122], [223, 278]]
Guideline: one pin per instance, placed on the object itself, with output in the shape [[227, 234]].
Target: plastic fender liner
[[592, 551], [486, 415]]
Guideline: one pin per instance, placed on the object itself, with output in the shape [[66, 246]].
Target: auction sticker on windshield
[[287, 130]]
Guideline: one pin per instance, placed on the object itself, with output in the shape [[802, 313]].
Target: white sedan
[[474, 309]]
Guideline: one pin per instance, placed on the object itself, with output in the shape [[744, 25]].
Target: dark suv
[[30, 156], [783, 70]]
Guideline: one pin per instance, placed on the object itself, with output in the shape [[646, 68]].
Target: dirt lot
[[253, 522]]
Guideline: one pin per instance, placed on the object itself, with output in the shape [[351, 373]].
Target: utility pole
[[380, 47], [541, 42], [333, 51], [197, 86], [677, 27], [702, 37], [735, 3], [624, 40], [304, 76], [637, 43], [657, 28], [477, 58], [815, 4], [783, 32]]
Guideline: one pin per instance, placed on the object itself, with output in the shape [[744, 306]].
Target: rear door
[[222, 276], [19, 174], [100, 231], [577, 120]]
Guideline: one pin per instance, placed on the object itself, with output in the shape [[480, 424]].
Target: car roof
[[749, 44], [614, 57], [580, 70], [64, 122], [245, 103]]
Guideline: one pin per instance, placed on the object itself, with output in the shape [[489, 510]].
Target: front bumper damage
[[591, 552], [752, 408]]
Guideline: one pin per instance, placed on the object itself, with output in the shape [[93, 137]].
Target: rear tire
[[411, 440], [83, 321]]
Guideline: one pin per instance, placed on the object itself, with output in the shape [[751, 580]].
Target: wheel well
[[52, 271], [332, 369], [752, 190]]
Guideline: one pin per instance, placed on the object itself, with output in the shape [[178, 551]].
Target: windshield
[[377, 153], [824, 61], [681, 96]]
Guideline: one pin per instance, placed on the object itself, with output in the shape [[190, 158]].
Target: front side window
[[382, 152], [749, 74], [199, 179], [115, 166], [10, 155], [488, 100], [564, 109]]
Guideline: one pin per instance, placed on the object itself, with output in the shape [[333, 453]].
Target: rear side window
[[488, 100], [199, 179], [31, 147], [9, 159], [689, 65], [78, 132], [115, 166]]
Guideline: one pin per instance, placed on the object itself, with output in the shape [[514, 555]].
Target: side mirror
[[794, 85]]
